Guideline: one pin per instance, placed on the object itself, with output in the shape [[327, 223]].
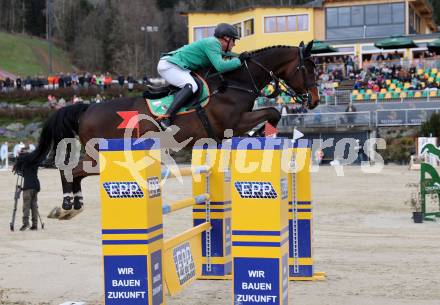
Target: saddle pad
[[159, 107]]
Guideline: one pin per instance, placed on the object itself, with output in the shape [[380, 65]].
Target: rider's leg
[[180, 78]]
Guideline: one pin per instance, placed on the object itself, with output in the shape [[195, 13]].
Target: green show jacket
[[203, 54]]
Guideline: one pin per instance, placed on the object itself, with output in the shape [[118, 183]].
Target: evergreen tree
[[35, 23]]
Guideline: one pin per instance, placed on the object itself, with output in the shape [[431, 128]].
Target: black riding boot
[[180, 99]]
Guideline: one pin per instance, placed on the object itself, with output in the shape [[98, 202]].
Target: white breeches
[[175, 75]]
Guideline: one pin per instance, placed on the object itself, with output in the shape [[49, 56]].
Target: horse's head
[[300, 75]]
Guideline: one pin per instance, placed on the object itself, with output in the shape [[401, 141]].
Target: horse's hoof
[[78, 203], [67, 203]]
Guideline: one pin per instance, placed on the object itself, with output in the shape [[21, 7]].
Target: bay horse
[[230, 107]]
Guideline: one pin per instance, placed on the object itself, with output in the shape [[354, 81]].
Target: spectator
[[350, 117], [31, 187], [107, 81], [121, 80], [18, 83], [130, 81]]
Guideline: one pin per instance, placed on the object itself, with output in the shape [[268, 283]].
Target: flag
[[129, 120], [270, 131]]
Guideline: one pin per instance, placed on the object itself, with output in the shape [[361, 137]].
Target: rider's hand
[[244, 56]]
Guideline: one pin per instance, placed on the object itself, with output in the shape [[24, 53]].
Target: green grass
[[25, 55]]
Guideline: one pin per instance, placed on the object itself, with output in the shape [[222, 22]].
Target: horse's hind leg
[[67, 192], [78, 174], [249, 120], [77, 193]]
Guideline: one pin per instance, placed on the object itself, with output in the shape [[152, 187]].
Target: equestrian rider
[[175, 67]]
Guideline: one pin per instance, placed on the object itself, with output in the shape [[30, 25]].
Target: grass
[[25, 55]]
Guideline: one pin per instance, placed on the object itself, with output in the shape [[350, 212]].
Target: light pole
[[49, 31], [149, 29]]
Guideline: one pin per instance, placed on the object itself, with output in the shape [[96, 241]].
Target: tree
[[35, 15], [431, 128]]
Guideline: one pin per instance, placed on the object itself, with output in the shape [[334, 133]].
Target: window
[[203, 32], [417, 23], [357, 15], [371, 15], [344, 16], [248, 27], [332, 17], [303, 22], [373, 20], [385, 14], [238, 27], [270, 25], [398, 13], [291, 23], [286, 23]]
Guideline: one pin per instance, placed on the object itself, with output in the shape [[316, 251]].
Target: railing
[[406, 117], [332, 119], [377, 118], [421, 63]]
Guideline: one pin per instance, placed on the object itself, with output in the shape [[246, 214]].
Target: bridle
[[304, 98]]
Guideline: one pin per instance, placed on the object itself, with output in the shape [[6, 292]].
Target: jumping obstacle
[[429, 183], [300, 215], [137, 233], [132, 229], [260, 228], [132, 234]]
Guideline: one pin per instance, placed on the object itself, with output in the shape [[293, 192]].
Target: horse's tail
[[64, 123]]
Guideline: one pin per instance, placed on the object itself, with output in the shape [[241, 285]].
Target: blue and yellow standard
[[216, 243], [300, 215], [260, 241], [132, 230]]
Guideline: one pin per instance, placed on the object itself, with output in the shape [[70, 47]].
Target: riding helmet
[[225, 29]]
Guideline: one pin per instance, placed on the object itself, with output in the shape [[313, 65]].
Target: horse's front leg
[[249, 120]]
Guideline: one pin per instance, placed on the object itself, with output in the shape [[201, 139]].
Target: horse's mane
[[264, 50]]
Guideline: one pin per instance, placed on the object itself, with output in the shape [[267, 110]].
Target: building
[[350, 26]]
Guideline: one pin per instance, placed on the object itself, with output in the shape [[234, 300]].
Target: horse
[[230, 107]]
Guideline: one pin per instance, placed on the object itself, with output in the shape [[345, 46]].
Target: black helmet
[[224, 29]]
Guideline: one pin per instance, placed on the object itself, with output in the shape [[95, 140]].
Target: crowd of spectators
[[56, 81]]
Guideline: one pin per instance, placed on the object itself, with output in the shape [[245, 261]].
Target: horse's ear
[[301, 44], [308, 50]]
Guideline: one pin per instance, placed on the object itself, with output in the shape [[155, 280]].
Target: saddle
[[159, 98]]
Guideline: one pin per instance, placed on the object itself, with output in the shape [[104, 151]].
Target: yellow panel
[[183, 264]]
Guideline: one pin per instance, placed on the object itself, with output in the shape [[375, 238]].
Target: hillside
[[25, 55]]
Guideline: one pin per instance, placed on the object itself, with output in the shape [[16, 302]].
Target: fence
[[331, 119], [377, 118]]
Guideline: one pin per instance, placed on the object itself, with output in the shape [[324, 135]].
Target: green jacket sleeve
[[214, 53]]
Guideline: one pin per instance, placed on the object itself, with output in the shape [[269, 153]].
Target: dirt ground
[[364, 240]]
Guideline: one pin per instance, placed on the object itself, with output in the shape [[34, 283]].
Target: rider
[[175, 67]]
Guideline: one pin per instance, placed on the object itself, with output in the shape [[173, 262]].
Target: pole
[[49, 32], [146, 50]]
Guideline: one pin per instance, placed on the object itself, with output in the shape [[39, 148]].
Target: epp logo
[[284, 189], [123, 190], [153, 187], [256, 190]]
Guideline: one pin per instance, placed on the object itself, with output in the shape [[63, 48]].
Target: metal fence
[[377, 118], [331, 119], [403, 117]]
